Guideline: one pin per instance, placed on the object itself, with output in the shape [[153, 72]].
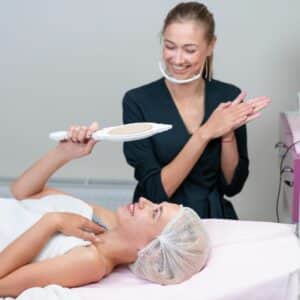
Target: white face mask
[[178, 81]]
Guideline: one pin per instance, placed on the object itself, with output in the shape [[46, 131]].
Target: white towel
[[50, 292], [17, 216]]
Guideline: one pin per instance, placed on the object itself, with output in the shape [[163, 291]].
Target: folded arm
[[160, 182], [17, 272], [78, 267]]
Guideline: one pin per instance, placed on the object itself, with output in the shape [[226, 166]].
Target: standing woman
[[204, 156]]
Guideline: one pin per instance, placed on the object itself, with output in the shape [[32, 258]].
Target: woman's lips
[[178, 70]]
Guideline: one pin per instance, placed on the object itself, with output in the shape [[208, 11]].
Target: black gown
[[205, 186]]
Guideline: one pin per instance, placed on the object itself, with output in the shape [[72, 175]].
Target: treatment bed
[[249, 260]]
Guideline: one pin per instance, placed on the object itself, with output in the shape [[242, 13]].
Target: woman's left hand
[[257, 104], [80, 142]]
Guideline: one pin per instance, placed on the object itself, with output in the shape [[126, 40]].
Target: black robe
[[203, 189]]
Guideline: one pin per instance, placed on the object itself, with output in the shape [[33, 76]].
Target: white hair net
[[180, 251]]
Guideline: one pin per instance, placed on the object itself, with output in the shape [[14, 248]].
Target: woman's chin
[[120, 212], [180, 77]]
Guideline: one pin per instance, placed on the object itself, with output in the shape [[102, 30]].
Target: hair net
[[180, 251]]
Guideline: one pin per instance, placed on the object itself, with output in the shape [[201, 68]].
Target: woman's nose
[[143, 202], [178, 59]]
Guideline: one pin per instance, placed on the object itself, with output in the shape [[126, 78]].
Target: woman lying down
[[48, 237]]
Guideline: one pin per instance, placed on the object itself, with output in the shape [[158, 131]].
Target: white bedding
[[250, 260], [50, 292]]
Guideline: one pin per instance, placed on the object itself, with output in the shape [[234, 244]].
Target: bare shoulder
[[79, 266], [20, 195], [89, 258], [46, 192]]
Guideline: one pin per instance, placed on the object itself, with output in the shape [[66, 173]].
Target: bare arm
[[222, 121], [78, 267], [28, 245], [229, 149], [160, 182], [32, 182], [229, 156], [16, 270]]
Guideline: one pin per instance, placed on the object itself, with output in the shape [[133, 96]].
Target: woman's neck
[[115, 249], [188, 90]]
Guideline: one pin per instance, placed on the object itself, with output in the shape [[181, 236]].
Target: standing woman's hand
[[257, 103], [229, 116], [80, 142]]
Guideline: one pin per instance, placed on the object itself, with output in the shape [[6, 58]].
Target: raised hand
[[229, 116], [79, 142], [257, 104]]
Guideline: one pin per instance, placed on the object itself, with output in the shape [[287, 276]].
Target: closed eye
[[157, 211], [170, 47], [190, 51], [154, 213]]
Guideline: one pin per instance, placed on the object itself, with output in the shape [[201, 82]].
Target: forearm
[[33, 180], [173, 174], [27, 246], [229, 157], [75, 268]]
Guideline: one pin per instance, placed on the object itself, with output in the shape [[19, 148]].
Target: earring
[[206, 69]]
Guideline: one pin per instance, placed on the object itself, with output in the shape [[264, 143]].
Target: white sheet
[[250, 260]]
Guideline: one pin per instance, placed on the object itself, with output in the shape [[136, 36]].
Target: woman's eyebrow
[[185, 45], [191, 45], [168, 41]]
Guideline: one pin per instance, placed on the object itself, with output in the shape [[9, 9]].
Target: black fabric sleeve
[[140, 155], [242, 169]]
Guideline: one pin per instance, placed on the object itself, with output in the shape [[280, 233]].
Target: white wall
[[259, 50], [64, 62]]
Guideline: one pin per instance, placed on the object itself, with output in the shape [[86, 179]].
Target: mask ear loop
[[179, 81]]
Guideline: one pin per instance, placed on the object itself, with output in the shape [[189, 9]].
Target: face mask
[[178, 81]]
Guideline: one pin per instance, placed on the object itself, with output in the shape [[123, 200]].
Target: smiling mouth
[[179, 69]]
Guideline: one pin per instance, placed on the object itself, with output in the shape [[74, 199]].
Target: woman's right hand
[[72, 224], [229, 116], [80, 142]]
